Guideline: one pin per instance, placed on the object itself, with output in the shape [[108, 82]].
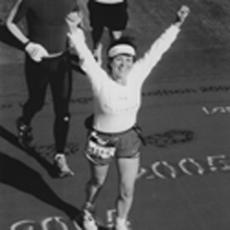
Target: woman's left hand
[[182, 14]]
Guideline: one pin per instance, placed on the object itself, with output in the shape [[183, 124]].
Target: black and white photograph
[[114, 114]]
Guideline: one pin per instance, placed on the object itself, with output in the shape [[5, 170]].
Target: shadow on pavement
[[41, 159], [19, 175]]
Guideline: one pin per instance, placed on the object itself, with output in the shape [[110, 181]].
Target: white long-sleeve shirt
[[115, 105]]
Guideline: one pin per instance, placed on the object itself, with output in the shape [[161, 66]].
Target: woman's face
[[120, 67]]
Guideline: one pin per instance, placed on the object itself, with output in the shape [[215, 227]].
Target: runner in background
[[113, 133], [110, 14], [46, 63]]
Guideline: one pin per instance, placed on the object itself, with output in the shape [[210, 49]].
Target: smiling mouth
[[123, 69]]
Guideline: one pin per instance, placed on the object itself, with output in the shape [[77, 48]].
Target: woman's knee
[[126, 191], [97, 182], [63, 118]]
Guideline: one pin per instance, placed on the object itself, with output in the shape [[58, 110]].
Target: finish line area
[[183, 182]]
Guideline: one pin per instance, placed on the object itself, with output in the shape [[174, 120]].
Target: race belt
[[98, 150]]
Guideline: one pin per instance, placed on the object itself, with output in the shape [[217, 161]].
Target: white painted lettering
[[170, 168], [218, 162], [182, 164]]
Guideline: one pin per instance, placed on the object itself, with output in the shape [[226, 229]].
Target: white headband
[[121, 49]]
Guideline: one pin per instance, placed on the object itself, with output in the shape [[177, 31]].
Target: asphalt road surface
[[184, 181]]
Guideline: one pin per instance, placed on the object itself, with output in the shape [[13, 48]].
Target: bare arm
[[34, 50], [13, 27], [87, 62]]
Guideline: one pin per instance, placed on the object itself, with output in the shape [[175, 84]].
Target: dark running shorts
[[112, 16], [126, 145]]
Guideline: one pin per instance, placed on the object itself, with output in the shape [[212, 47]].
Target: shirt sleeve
[[87, 62], [144, 66]]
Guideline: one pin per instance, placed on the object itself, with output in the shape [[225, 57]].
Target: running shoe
[[25, 136], [85, 222], [122, 224], [62, 165], [89, 223]]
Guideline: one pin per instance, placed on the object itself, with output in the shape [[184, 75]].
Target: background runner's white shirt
[[109, 1], [116, 106]]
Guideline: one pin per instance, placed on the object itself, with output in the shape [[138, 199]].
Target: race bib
[[99, 153]]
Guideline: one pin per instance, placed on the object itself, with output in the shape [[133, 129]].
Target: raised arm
[[87, 61], [144, 66]]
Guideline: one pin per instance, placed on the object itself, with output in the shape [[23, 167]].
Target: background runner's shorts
[[112, 16], [127, 144]]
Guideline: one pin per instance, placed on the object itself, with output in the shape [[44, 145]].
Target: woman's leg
[[61, 87], [116, 34], [118, 16], [127, 169], [97, 44], [37, 82], [93, 187], [97, 18]]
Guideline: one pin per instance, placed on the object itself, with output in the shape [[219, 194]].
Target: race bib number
[[99, 153]]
